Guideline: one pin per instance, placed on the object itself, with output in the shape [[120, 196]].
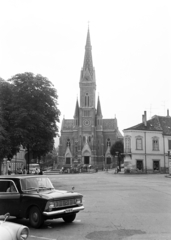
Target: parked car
[[34, 197], [12, 231]]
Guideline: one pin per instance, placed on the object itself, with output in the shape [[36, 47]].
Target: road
[[117, 207]]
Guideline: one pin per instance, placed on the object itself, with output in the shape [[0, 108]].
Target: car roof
[[21, 176]]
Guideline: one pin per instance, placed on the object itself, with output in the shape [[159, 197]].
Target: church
[[86, 139]]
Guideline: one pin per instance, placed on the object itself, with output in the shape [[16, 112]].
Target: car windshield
[[29, 184]]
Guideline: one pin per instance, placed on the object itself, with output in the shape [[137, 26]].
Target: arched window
[[86, 100], [108, 142], [68, 142]]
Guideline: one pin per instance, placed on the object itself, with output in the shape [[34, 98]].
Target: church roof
[[110, 124]]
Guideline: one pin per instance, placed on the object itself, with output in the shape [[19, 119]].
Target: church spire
[[76, 115], [88, 69], [99, 111]]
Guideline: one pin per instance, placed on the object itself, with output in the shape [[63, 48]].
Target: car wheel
[[70, 218], [35, 217]]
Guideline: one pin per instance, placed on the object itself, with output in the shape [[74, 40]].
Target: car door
[[9, 201]]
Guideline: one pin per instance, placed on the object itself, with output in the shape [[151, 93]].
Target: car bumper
[[63, 211]]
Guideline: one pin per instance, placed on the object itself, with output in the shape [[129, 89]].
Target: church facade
[[86, 139]]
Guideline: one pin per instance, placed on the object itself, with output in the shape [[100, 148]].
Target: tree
[[116, 150], [34, 112], [8, 145]]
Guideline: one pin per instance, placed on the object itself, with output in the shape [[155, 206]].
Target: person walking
[[9, 170]]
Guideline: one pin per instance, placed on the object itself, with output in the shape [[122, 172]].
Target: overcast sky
[[131, 49]]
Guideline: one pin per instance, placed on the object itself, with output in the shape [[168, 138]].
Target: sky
[[131, 49]]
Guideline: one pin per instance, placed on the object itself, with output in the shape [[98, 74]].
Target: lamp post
[[117, 163]]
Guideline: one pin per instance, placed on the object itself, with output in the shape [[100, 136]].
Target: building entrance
[[86, 160]]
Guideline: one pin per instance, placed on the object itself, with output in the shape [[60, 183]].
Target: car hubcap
[[35, 217]]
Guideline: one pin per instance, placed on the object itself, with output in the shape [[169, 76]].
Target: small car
[[34, 197], [12, 231]]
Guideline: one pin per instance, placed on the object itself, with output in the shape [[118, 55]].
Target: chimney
[[168, 113], [145, 118]]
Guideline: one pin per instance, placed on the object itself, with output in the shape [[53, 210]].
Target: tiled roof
[[152, 125], [165, 123], [109, 124], [157, 123]]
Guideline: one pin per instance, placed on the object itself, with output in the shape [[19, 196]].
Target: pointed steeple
[[88, 69], [76, 115], [99, 111]]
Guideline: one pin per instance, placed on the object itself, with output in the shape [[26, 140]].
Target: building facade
[[86, 139], [147, 144]]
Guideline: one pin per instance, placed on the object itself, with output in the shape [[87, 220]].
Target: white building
[[146, 145]]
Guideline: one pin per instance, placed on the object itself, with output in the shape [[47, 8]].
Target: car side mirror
[[6, 216]]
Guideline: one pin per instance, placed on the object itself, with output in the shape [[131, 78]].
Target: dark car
[[35, 198]]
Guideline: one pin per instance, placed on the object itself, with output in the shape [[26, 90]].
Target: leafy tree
[[116, 150], [8, 145], [34, 112]]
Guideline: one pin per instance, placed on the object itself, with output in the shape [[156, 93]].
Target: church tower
[[86, 139]]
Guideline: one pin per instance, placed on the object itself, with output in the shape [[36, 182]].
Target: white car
[[12, 231]]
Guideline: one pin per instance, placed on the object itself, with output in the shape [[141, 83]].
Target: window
[[108, 142], [127, 144], [86, 100], [68, 142], [155, 144], [169, 144], [139, 143]]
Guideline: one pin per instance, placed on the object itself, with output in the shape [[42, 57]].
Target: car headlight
[[23, 233], [49, 206], [78, 201]]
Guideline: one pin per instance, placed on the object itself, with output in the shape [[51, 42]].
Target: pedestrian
[[9, 170]]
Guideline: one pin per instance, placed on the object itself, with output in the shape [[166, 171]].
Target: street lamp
[[117, 163]]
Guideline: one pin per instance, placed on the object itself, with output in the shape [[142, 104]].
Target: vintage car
[[34, 197], [12, 231]]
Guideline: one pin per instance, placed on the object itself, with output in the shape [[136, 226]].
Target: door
[[156, 166], [9, 197], [140, 165], [86, 160]]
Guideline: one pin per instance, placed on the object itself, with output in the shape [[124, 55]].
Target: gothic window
[[139, 145], [89, 139], [108, 142], [68, 142], [155, 143], [86, 100]]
